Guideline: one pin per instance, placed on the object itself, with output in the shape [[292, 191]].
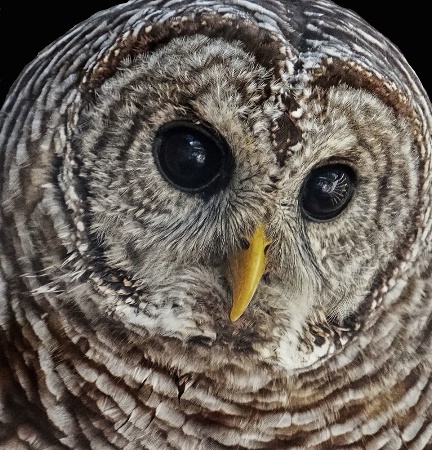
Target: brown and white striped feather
[[114, 298]]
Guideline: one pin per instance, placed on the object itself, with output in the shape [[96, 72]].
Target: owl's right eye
[[192, 158]]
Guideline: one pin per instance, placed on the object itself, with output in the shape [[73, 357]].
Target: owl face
[[216, 233], [183, 164]]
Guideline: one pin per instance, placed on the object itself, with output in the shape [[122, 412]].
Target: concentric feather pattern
[[116, 280]]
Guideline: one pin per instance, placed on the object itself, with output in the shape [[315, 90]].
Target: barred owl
[[215, 234]]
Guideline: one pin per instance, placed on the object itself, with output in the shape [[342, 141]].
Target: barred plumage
[[146, 155]]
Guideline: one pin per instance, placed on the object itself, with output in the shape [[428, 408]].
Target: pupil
[[332, 187], [327, 185], [186, 157]]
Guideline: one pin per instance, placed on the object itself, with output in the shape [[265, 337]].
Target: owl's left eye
[[192, 158], [327, 191]]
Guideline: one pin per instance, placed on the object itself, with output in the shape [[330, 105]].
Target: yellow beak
[[246, 269]]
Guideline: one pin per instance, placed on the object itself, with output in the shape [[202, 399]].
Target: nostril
[[244, 243], [266, 277]]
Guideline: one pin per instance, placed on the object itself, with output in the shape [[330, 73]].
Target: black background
[[26, 28]]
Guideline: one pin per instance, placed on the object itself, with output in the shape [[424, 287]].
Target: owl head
[[234, 182]]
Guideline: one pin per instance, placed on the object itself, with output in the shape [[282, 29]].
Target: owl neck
[[66, 376]]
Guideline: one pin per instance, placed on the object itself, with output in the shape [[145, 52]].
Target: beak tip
[[234, 316]]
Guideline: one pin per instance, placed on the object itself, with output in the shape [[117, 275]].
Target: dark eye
[[327, 192], [192, 158]]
